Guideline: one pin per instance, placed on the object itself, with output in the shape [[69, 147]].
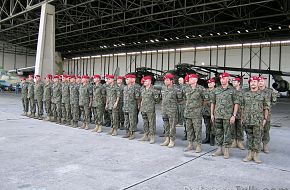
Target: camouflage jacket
[[271, 95], [149, 97], [74, 94], [30, 89], [85, 94], [47, 94], [99, 96], [121, 89], [113, 93], [24, 90], [170, 98], [38, 91], [224, 100], [130, 97], [56, 93], [206, 105], [240, 94], [254, 105], [182, 87], [65, 93], [194, 99]]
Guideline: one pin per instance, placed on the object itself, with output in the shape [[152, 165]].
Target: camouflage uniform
[[112, 94], [149, 98], [74, 103], [121, 113], [66, 113], [98, 103], [170, 97], [254, 105], [38, 96], [56, 101], [193, 112], [85, 96], [224, 100], [24, 91], [209, 128], [30, 96], [138, 89], [47, 95], [130, 97], [106, 118], [268, 92], [237, 128]]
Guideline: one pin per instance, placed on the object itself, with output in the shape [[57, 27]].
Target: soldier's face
[[254, 84], [72, 80], [224, 80], [119, 81], [181, 81], [236, 83], [78, 80], [128, 80], [133, 80], [110, 81], [262, 83], [55, 80], [192, 80], [167, 82], [96, 80], [37, 79], [211, 85], [147, 82]]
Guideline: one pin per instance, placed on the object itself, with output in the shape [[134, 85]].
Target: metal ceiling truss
[[85, 27]]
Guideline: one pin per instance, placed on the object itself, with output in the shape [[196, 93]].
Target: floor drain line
[[166, 171]]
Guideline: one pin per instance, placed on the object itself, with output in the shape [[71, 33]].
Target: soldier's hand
[[264, 122], [232, 120], [115, 105], [212, 118]]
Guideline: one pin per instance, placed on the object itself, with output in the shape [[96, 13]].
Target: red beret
[[224, 75], [86, 77], [96, 76], [37, 76], [253, 78], [120, 77], [109, 76], [65, 76], [147, 78], [168, 76], [49, 76], [262, 78], [56, 77], [210, 80], [237, 79], [79, 77], [186, 78], [192, 76], [127, 76], [72, 76]]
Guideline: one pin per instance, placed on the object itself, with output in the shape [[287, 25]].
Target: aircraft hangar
[[114, 37]]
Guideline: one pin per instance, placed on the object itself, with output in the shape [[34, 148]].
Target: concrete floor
[[42, 155]]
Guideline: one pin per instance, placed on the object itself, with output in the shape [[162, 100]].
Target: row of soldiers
[[230, 110]]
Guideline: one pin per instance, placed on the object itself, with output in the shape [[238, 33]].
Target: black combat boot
[[212, 140]]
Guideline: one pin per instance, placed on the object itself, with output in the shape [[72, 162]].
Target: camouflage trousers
[[194, 129], [238, 131], [56, 110], [114, 117], [85, 112], [149, 122], [121, 114], [25, 104], [181, 118], [39, 105], [209, 128], [47, 105], [106, 118], [169, 123], [98, 115], [130, 122], [66, 111], [75, 112], [31, 105], [253, 137], [266, 132], [223, 132]]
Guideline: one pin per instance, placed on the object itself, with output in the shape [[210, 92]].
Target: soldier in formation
[[226, 110]]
